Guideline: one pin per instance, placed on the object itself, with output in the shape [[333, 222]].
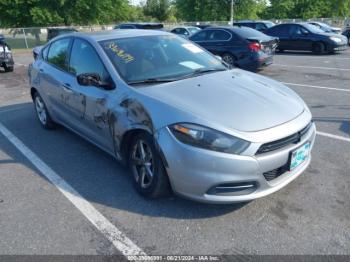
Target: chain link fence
[[27, 38]]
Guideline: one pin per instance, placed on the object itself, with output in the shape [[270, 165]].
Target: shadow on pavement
[[97, 176]]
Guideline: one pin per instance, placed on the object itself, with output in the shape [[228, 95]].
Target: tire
[[8, 68], [42, 113], [148, 172], [229, 59], [318, 48]]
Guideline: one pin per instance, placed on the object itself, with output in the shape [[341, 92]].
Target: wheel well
[[32, 92], [127, 138]]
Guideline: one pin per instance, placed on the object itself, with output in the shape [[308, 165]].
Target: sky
[[135, 2]]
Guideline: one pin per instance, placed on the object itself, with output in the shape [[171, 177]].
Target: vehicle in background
[[53, 32], [149, 26], [185, 31], [203, 26], [325, 27], [243, 47], [257, 25], [347, 34], [178, 116], [306, 37], [6, 58]]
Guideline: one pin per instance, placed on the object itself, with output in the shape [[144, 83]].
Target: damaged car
[[179, 117], [6, 58]]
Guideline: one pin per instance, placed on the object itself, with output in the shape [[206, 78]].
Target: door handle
[[41, 70], [67, 87]]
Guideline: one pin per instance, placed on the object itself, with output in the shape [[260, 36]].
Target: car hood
[[234, 99]]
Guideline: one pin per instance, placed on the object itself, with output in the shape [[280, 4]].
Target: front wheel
[[318, 48], [8, 68], [149, 174]]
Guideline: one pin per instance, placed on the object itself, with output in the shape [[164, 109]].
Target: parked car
[[347, 34], [326, 28], [306, 37], [202, 26], [242, 47], [53, 32], [257, 25], [6, 58], [185, 31], [151, 26], [178, 116]]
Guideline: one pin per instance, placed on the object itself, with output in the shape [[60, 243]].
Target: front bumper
[[338, 48], [7, 62], [194, 172]]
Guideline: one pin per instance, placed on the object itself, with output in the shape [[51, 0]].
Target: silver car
[[177, 115]]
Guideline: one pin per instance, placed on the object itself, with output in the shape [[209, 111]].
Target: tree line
[[29, 13]]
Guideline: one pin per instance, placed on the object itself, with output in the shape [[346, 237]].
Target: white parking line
[[313, 67], [113, 234], [320, 87], [342, 138]]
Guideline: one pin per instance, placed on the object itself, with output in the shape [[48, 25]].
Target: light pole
[[231, 20]]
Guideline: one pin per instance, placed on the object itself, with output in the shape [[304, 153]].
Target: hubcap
[[40, 109], [228, 59], [142, 164]]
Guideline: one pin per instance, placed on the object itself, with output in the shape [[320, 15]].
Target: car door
[[200, 38], [300, 38], [218, 41], [87, 105], [53, 71], [282, 32]]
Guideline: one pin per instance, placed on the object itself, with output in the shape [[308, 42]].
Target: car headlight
[[207, 138], [335, 39]]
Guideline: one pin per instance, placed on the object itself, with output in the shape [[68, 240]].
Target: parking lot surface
[[41, 215]]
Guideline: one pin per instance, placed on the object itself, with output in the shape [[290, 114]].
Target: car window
[[84, 59], [200, 36], [58, 53], [297, 30], [219, 35], [260, 26], [158, 57], [281, 30]]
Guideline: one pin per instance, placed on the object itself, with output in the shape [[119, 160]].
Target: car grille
[[278, 144], [273, 174]]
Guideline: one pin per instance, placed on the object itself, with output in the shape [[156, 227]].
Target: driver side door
[[88, 105]]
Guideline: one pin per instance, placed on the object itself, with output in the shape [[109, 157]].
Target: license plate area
[[299, 156]]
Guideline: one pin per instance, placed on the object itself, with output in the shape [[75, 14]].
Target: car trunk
[[267, 45]]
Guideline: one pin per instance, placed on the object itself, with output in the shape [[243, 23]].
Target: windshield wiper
[[152, 81], [203, 71]]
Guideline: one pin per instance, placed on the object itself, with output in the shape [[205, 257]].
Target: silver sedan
[[179, 117]]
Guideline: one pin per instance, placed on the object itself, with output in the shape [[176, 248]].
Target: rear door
[[53, 72], [219, 41]]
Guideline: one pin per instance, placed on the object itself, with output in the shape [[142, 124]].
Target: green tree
[[158, 9]]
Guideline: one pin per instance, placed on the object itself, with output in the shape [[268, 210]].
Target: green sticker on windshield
[[120, 53]]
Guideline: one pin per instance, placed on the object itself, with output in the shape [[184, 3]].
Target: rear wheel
[[318, 48], [229, 59], [42, 113], [149, 174]]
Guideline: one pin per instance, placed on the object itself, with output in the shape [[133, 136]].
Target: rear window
[[246, 32]]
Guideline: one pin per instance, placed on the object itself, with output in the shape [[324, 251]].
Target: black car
[[53, 32], [257, 25], [151, 26], [347, 34], [306, 37], [238, 46], [6, 59]]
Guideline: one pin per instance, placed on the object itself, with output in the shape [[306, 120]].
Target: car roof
[[144, 23], [252, 21], [116, 34]]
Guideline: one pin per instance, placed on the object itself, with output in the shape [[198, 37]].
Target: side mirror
[[93, 79]]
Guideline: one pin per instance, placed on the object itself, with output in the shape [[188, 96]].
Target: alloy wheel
[[41, 110], [142, 164]]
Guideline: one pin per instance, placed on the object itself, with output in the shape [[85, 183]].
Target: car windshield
[[194, 29], [313, 29], [159, 58]]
